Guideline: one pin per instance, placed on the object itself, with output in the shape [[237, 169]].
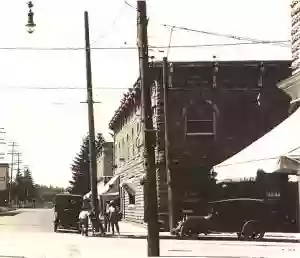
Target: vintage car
[[66, 212], [246, 217]]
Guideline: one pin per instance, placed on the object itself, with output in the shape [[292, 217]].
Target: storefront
[[276, 155]]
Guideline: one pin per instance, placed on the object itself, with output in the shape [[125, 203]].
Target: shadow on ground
[[204, 238], [10, 213]]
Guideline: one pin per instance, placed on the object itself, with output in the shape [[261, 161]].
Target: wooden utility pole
[[149, 134], [92, 147], [18, 161], [13, 145], [167, 145]]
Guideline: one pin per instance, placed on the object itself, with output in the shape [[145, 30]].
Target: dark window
[[199, 127], [200, 120], [131, 198]]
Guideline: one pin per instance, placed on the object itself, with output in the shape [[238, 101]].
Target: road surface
[[30, 234]]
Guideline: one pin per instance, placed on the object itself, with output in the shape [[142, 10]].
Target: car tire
[[251, 230]]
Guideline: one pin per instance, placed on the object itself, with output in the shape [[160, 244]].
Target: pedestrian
[[84, 221], [106, 217], [93, 217], [114, 217]]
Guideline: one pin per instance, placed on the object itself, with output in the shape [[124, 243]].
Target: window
[[123, 148], [131, 198], [133, 141], [128, 147], [200, 120]]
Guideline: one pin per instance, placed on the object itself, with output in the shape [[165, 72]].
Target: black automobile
[[244, 216], [66, 212]]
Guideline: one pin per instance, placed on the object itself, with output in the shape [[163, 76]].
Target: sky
[[48, 124]]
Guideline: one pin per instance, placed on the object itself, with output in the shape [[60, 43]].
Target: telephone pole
[[167, 144], [13, 145], [149, 134], [18, 161], [92, 147]]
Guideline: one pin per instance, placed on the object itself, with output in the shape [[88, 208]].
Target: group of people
[[112, 216]]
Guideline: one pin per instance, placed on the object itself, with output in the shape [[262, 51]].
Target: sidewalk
[[135, 230]]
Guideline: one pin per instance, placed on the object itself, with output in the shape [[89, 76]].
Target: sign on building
[[3, 176]]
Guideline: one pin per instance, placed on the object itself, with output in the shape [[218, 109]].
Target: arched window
[[201, 119]]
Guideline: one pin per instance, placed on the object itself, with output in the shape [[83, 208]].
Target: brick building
[[295, 34], [105, 162], [215, 110]]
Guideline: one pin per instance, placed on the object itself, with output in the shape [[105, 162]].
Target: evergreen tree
[[29, 186], [80, 182]]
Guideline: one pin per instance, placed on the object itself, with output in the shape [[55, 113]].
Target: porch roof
[[266, 153]]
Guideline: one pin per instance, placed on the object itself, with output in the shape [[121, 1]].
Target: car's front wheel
[[251, 230]]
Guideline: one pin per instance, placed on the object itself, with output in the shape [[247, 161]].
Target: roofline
[[4, 165], [159, 64], [224, 62]]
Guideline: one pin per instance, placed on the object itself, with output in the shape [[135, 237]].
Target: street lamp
[[30, 24]]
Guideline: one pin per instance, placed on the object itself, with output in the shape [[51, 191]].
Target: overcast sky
[[49, 125]]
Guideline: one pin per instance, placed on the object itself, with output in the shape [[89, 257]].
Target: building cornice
[[292, 81], [130, 97]]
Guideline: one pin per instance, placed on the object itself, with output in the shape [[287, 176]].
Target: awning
[[129, 187], [100, 187], [266, 153], [87, 196], [111, 186], [109, 196]]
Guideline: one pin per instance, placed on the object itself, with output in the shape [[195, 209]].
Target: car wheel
[[252, 231]]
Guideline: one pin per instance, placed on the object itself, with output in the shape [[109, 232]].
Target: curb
[[206, 238]]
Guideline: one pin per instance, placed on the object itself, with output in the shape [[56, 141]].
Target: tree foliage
[[23, 188], [48, 193], [80, 182]]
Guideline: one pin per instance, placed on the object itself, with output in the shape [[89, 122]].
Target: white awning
[[109, 187], [100, 187], [265, 153], [87, 196], [129, 186]]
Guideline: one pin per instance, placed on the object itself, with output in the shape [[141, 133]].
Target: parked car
[[66, 212], [244, 216]]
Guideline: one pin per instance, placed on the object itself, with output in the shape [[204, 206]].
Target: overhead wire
[[119, 14], [223, 35], [135, 47], [59, 88], [170, 40]]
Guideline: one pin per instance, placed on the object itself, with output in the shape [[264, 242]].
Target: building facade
[[4, 183], [211, 107], [295, 34], [105, 162]]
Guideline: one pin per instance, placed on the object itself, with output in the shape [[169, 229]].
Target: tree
[[80, 182], [23, 186], [29, 186]]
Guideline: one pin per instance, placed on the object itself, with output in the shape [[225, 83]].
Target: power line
[[224, 35], [279, 43], [119, 14], [59, 88]]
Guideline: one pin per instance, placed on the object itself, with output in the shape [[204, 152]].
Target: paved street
[[29, 234]]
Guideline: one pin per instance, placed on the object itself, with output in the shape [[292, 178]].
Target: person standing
[[113, 217], [106, 217]]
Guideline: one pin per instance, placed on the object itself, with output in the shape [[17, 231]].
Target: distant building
[[105, 162], [4, 183], [215, 110]]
